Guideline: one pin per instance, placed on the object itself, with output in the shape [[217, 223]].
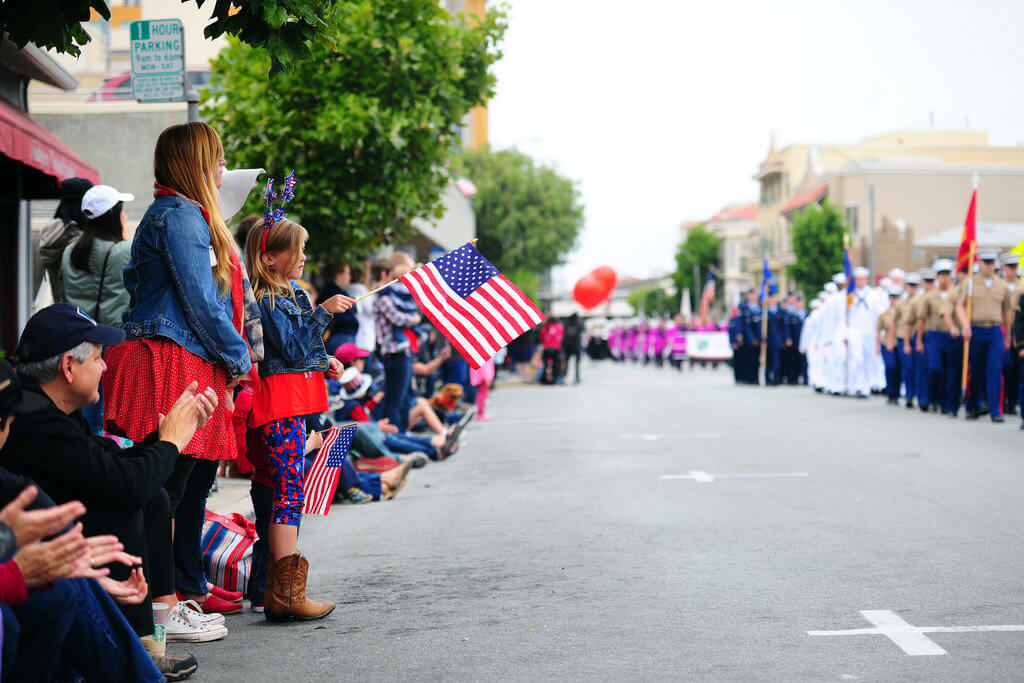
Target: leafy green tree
[[702, 245], [283, 27], [528, 217], [817, 240], [652, 301], [370, 125]]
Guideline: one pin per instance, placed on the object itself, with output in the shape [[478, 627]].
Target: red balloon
[[590, 292], [606, 276]]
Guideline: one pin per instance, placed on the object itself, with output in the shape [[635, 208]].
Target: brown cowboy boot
[[277, 592], [302, 607]]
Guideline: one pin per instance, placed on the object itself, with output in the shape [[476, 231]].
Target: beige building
[[920, 181], [739, 231]]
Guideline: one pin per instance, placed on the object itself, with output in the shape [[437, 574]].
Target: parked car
[[119, 86]]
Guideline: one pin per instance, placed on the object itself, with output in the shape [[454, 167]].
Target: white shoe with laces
[[199, 615], [181, 625]]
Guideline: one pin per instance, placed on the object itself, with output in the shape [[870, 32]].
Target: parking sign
[[158, 60]]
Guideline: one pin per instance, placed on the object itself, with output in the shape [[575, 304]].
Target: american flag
[[471, 303], [322, 478], [707, 295]]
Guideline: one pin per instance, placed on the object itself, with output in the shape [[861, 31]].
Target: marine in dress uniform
[[736, 342], [990, 314], [775, 339], [903, 335], [752, 338], [1010, 264], [937, 326], [885, 342], [923, 377]]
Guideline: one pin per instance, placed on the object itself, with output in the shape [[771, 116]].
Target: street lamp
[[872, 252]]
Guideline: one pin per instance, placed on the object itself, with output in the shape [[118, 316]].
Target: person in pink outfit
[[481, 379]]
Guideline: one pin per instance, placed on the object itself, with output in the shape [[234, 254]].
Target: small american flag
[[707, 295], [322, 478], [471, 303]]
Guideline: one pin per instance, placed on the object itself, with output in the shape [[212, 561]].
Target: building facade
[[891, 189]]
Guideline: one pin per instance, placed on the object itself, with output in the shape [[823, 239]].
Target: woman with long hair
[[92, 267], [184, 323]]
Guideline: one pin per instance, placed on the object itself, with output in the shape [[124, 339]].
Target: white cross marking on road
[[910, 639], [707, 478]]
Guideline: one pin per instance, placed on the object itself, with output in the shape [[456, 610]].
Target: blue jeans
[[189, 574], [986, 358], [75, 625], [397, 379], [405, 443]]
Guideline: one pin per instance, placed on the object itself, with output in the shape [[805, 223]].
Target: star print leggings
[[285, 441]]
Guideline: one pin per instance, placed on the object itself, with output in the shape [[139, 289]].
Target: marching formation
[[909, 336]]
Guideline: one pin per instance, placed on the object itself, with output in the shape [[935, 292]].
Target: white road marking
[[656, 437], [910, 639], [707, 478]]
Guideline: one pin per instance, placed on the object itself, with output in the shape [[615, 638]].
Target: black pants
[[145, 532], [262, 503], [569, 357]]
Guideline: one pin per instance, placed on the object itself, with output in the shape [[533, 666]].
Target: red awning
[[24, 140]]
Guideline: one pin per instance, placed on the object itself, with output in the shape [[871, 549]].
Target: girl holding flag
[[290, 386]]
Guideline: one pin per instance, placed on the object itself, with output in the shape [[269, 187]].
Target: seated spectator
[[355, 405], [59, 364], [58, 619]]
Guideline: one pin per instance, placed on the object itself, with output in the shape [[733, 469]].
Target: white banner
[[708, 345]]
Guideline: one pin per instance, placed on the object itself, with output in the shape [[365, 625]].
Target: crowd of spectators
[[126, 397]]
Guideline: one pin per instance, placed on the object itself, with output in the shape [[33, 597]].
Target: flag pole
[[969, 307], [970, 288], [846, 331], [388, 284]]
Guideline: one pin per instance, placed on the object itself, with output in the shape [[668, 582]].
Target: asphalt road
[[550, 547]]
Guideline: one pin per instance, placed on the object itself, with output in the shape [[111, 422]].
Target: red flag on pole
[[970, 238]]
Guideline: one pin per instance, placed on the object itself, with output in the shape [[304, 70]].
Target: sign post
[[158, 64]]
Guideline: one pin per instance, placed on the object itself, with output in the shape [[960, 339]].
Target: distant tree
[[652, 302], [370, 125], [528, 217], [704, 246], [284, 28], [817, 240]]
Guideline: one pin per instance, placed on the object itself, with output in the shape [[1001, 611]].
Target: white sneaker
[[182, 626], [199, 615]]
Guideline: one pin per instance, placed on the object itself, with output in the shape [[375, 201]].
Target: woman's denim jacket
[[292, 334], [172, 291]]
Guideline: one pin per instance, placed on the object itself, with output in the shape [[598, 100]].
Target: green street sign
[[158, 60]]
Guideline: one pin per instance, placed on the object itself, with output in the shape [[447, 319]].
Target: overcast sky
[[662, 110]]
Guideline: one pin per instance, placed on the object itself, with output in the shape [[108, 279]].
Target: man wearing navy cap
[[991, 312], [775, 339], [59, 364]]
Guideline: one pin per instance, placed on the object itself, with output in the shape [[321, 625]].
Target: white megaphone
[[235, 187]]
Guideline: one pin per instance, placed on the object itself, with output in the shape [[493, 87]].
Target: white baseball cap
[[99, 199]]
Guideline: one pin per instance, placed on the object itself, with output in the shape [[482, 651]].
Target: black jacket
[[58, 452]]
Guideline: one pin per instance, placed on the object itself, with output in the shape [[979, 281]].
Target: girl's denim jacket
[[293, 334], [171, 288]]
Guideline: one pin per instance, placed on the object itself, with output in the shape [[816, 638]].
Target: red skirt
[[145, 377]]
